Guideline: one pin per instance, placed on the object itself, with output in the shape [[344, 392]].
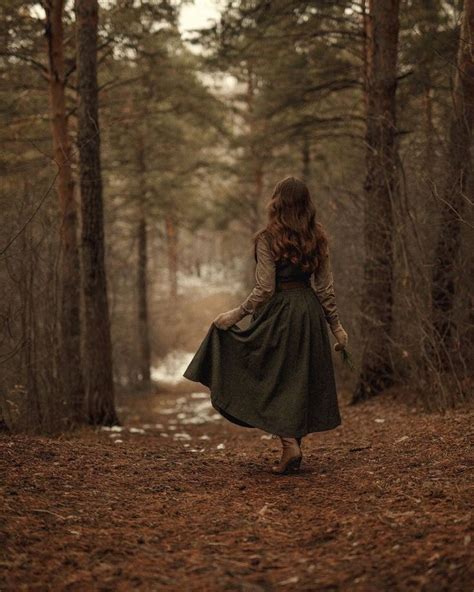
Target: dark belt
[[288, 285]]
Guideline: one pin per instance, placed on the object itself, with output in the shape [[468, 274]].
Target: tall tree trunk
[[367, 41], [98, 347], [455, 190], [428, 24], [70, 364], [34, 420], [429, 127], [142, 275], [172, 247], [380, 188], [256, 126], [258, 188], [142, 285]]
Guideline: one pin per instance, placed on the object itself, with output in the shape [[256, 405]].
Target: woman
[[277, 374]]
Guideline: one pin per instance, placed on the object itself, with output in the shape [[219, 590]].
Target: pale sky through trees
[[199, 14]]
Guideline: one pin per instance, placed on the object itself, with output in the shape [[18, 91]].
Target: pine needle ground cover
[[382, 503]]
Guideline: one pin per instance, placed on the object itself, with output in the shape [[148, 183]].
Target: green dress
[[277, 374]]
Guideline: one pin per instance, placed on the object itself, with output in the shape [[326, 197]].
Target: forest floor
[[180, 499]]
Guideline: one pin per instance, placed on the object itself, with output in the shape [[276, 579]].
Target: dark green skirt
[[277, 374]]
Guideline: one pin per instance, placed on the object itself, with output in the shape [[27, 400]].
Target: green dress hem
[[277, 374]]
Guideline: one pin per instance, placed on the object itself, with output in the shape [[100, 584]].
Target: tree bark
[[367, 50], [70, 364], [455, 191], [380, 188], [429, 127], [142, 285], [256, 125], [142, 275], [98, 347], [172, 243], [429, 29]]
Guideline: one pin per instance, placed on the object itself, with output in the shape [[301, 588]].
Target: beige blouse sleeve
[[264, 279], [322, 282]]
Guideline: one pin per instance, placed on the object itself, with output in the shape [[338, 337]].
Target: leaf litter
[[371, 509]]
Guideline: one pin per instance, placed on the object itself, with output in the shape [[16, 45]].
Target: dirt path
[[186, 501]]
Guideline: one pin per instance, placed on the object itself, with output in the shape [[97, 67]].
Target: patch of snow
[[194, 409], [136, 431], [200, 416], [199, 395], [170, 368], [220, 446], [213, 279], [201, 406], [181, 436]]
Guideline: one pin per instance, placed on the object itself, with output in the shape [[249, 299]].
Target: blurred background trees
[[371, 103]]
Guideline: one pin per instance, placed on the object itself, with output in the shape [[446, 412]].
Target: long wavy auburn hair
[[292, 229]]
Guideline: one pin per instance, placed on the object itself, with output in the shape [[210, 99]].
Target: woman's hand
[[227, 319], [340, 335]]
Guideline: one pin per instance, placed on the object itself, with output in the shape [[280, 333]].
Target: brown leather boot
[[291, 456]]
